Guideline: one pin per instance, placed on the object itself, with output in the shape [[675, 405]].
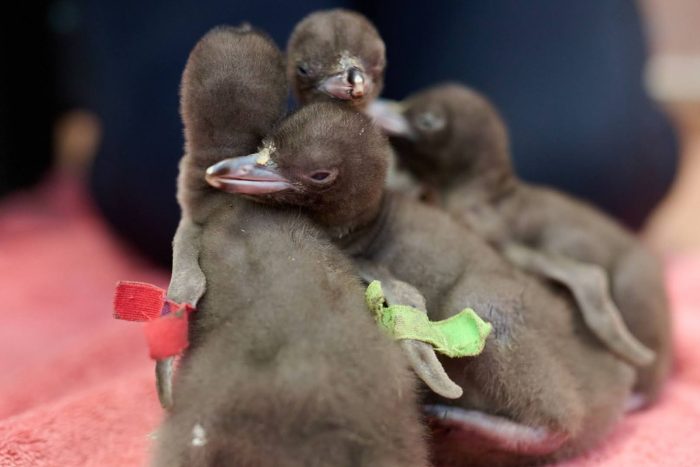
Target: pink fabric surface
[[77, 387]]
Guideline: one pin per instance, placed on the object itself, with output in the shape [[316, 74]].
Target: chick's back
[[286, 366]]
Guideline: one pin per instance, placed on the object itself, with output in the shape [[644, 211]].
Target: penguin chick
[[453, 139], [285, 365], [233, 91], [231, 104], [336, 54], [543, 388], [220, 112]]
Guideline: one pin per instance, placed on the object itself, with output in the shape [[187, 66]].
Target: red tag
[[167, 335], [166, 321], [138, 301]]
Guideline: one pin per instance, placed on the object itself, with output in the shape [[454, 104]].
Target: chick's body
[[465, 158], [285, 365], [541, 368], [543, 388]]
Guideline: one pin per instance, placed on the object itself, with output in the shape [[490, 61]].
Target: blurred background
[[602, 97]]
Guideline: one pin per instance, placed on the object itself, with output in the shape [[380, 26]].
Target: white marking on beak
[[263, 157], [265, 153]]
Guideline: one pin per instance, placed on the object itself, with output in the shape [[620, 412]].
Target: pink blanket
[[77, 387]]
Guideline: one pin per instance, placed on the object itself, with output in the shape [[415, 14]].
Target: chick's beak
[[250, 175], [356, 78], [389, 116], [350, 84]]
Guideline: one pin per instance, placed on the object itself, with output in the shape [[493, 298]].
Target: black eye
[[428, 121], [302, 70], [321, 175]]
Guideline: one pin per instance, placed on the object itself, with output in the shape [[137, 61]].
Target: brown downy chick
[[339, 56], [543, 388], [285, 365], [452, 138], [233, 91], [222, 69], [336, 54]]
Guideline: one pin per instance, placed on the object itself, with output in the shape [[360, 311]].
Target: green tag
[[461, 335]]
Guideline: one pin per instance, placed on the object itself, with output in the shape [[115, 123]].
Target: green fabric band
[[461, 335]]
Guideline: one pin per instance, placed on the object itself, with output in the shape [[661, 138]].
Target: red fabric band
[[138, 301], [166, 325], [167, 335]]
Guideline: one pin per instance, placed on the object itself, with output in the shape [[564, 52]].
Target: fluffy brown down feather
[[319, 44], [541, 368], [468, 161], [286, 367]]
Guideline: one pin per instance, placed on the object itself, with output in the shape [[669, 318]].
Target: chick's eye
[[321, 175], [429, 121], [302, 70]]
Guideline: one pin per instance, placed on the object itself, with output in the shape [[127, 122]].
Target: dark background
[[566, 75]]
